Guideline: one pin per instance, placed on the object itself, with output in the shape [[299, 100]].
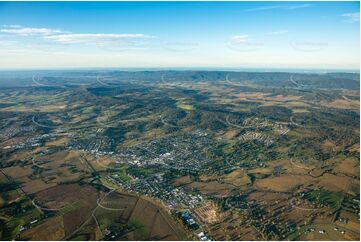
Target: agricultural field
[[179, 155]]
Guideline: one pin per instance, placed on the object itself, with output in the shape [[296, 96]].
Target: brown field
[[183, 180], [269, 197], [207, 178], [19, 156], [355, 148], [75, 203], [61, 157], [300, 110], [355, 187], [348, 166], [168, 223], [119, 200], [296, 170], [230, 134], [161, 232], [335, 183], [319, 171], [329, 145], [298, 215], [330, 234], [343, 104], [59, 196], [237, 178], [59, 165], [353, 223], [156, 223], [301, 133], [232, 227], [295, 166], [283, 183], [76, 217], [252, 95], [101, 163], [296, 105], [58, 142], [266, 170], [18, 173], [52, 229], [35, 186], [212, 188], [145, 213]]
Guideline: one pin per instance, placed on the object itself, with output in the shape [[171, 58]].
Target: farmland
[[180, 155]]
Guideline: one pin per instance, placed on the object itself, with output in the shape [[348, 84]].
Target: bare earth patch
[[283, 183]]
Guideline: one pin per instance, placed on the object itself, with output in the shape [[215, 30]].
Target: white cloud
[[113, 40], [262, 8], [29, 31], [243, 43], [11, 26], [240, 38], [180, 46], [6, 43], [352, 17], [99, 39], [299, 6], [277, 32], [288, 7]]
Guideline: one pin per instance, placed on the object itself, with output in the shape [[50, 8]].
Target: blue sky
[[308, 35]]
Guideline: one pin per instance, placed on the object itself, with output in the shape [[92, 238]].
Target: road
[[42, 125], [346, 98], [91, 216], [37, 83], [227, 80], [34, 163], [166, 123], [162, 79], [106, 208], [296, 83], [42, 208], [227, 122], [44, 85], [230, 82], [101, 82], [294, 123], [302, 167]]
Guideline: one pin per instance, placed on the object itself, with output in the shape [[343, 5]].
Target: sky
[[306, 35]]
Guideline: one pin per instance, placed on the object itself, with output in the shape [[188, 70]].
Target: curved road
[[162, 79], [300, 125], [36, 82], [296, 83], [230, 82], [296, 124], [101, 82], [91, 216], [171, 125], [299, 166], [41, 166], [42, 125]]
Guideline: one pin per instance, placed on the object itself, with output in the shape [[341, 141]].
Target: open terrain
[[179, 155]]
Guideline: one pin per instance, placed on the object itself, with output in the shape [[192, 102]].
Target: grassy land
[[184, 105], [327, 198]]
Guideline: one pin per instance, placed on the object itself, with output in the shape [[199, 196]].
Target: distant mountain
[[268, 79]]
